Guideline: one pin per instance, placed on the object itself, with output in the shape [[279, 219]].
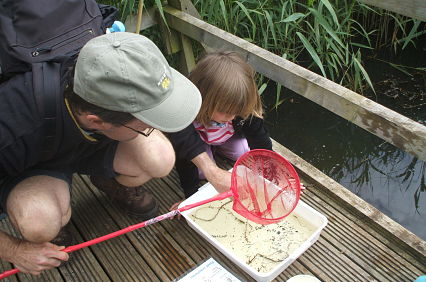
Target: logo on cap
[[164, 81]]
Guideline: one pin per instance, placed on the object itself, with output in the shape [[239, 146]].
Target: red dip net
[[265, 186]]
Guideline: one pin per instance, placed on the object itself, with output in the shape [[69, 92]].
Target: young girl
[[229, 121]]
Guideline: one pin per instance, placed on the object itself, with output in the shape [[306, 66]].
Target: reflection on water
[[391, 180]]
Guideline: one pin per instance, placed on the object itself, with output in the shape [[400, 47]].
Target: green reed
[[327, 37], [330, 38]]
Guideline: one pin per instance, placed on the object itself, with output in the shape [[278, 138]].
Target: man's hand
[[30, 257]]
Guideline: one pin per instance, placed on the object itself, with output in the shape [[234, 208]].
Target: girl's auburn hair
[[227, 85]]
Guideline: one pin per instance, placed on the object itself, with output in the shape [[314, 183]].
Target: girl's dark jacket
[[188, 144]]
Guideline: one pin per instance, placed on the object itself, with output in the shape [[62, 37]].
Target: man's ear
[[95, 122]]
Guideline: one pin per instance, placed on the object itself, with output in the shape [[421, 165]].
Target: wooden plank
[[365, 236], [369, 252], [329, 264], [164, 256], [396, 129], [410, 8], [118, 257], [83, 265]]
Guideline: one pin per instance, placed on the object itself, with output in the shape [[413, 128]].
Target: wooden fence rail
[[411, 8]]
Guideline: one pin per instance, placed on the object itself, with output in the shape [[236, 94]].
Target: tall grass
[[130, 7], [331, 38]]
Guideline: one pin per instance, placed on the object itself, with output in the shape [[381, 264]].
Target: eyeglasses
[[147, 132]]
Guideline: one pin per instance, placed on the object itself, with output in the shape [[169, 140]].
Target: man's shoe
[[137, 202], [64, 237]]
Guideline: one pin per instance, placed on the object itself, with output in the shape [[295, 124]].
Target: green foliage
[[330, 38], [130, 7]]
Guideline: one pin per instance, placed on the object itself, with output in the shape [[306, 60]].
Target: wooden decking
[[353, 247]]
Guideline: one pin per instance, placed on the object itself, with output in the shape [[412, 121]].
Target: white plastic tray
[[303, 210]]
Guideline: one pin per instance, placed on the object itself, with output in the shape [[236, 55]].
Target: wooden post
[[178, 42], [170, 37], [147, 20], [139, 19]]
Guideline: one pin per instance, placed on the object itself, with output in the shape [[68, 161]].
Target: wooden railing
[[411, 8]]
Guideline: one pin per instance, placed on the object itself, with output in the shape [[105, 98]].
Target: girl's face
[[222, 117]]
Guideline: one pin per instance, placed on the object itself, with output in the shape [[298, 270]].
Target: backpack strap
[[47, 88]]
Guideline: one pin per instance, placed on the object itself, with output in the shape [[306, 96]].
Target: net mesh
[[265, 186]]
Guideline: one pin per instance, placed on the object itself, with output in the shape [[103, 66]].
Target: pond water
[[386, 177]]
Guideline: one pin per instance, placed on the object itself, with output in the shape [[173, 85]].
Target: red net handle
[[131, 228]]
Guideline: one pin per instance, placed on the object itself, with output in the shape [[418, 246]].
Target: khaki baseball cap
[[126, 72]]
